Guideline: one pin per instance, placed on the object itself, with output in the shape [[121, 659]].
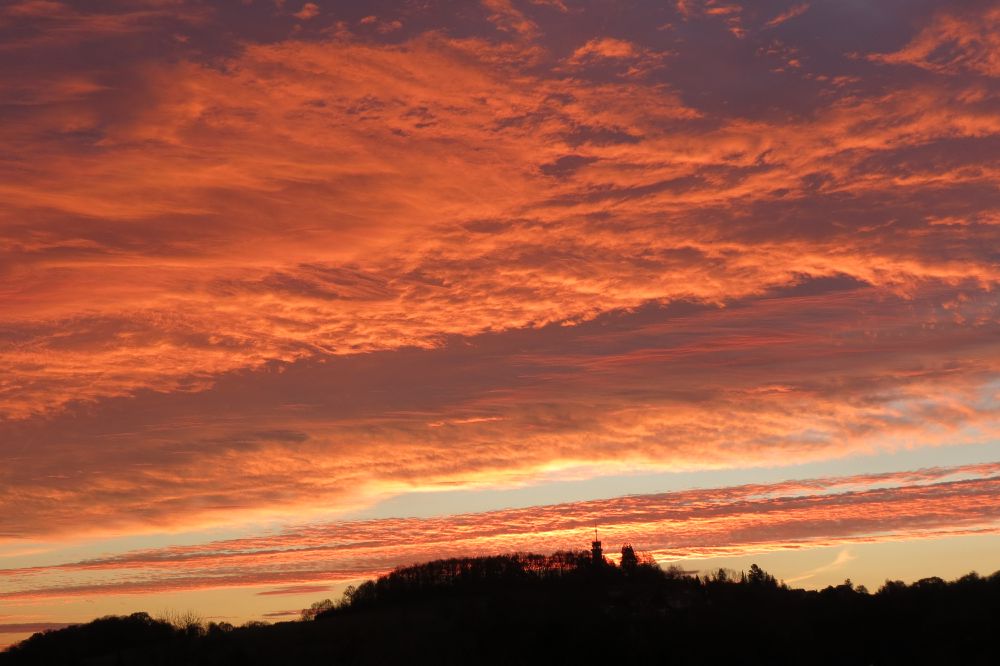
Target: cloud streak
[[29, 627], [696, 523]]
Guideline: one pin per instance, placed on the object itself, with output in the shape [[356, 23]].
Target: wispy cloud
[[696, 523], [30, 627], [843, 557], [295, 589], [788, 14], [953, 43]]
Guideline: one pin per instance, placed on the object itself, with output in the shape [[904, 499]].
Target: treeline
[[565, 609], [460, 575]]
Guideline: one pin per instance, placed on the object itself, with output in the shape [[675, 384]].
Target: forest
[[567, 608]]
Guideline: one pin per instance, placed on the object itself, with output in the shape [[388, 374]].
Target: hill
[[562, 609]]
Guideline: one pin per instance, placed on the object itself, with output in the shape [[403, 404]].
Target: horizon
[[183, 619], [294, 293]]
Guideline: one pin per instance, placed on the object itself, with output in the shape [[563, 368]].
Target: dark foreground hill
[[563, 609]]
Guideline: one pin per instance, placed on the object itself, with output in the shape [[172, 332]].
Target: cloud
[[690, 386], [556, 4], [954, 42], [30, 627], [843, 557], [66, 25], [604, 52], [619, 143], [788, 14], [605, 47], [309, 10], [696, 523], [382, 27], [480, 248], [295, 589], [508, 18]]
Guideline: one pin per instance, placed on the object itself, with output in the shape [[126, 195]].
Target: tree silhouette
[[760, 578], [317, 608], [629, 559], [525, 608]]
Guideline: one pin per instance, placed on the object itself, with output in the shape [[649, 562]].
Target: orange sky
[[283, 271]]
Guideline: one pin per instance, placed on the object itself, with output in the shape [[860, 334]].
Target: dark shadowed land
[[568, 608]]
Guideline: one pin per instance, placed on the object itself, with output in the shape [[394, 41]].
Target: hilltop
[[568, 608]]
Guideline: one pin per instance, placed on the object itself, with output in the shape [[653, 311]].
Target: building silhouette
[[596, 553]]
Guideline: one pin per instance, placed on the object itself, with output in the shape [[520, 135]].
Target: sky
[[295, 293]]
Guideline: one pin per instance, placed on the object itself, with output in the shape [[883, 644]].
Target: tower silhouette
[[596, 554]]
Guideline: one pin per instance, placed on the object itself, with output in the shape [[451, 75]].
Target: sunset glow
[[293, 293]]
